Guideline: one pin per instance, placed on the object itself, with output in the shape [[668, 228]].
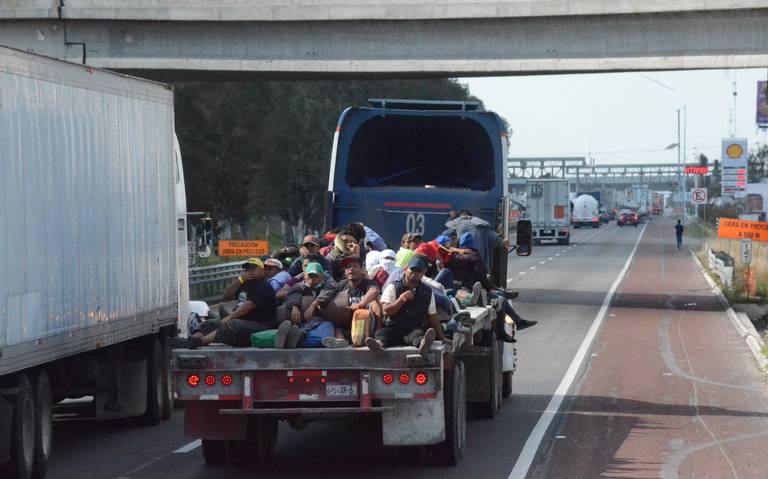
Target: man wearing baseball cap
[[273, 271], [410, 308], [309, 245], [257, 313]]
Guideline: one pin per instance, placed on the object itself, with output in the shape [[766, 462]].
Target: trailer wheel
[[260, 443], [155, 382], [488, 409], [506, 388], [22, 450], [215, 451], [43, 424], [449, 452], [167, 406]]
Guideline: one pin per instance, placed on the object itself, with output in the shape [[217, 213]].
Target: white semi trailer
[[548, 209], [94, 252]]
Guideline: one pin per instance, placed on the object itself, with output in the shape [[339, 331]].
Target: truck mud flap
[[413, 423], [203, 421]]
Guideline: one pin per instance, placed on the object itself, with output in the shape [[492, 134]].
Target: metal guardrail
[[206, 283], [722, 264]]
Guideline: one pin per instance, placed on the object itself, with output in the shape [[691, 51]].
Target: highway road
[[656, 384]]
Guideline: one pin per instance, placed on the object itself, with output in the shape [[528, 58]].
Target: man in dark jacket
[[410, 308]]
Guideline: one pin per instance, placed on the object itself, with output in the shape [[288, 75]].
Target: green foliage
[[262, 149]]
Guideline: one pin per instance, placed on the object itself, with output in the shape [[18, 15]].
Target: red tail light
[[421, 378], [388, 378], [226, 380], [210, 380], [193, 380], [405, 378]]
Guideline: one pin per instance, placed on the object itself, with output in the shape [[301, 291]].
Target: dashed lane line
[[189, 447]]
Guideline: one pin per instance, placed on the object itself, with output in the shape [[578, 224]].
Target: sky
[[623, 117]]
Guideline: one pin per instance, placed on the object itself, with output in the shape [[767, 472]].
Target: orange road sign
[[243, 247], [738, 229]]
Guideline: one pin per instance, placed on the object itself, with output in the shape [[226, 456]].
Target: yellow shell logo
[[734, 151]]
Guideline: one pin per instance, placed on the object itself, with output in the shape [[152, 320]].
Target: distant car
[[627, 218], [604, 216]]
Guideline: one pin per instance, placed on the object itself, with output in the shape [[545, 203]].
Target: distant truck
[[585, 212], [95, 261], [548, 209], [657, 204]]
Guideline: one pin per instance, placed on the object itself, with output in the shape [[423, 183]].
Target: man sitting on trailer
[[310, 245], [356, 300], [410, 308], [256, 314]]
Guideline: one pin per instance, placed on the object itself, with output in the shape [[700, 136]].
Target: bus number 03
[[414, 223]]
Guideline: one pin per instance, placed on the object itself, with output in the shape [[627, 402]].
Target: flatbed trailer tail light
[[193, 380], [210, 379], [421, 378], [226, 380], [405, 378], [388, 378]]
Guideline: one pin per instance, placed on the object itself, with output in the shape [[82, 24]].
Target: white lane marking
[[549, 259], [533, 442], [542, 262], [189, 447], [557, 254], [521, 273], [509, 280], [532, 268]]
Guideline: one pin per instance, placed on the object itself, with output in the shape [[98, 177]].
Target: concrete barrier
[[722, 265]]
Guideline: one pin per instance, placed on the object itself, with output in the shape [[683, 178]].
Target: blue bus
[[401, 166]]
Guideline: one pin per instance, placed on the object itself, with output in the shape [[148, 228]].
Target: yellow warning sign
[[243, 247], [738, 229]]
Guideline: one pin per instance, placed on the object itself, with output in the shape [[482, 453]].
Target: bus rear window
[[416, 152]]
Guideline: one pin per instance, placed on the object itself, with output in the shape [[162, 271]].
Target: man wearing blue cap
[[409, 306]]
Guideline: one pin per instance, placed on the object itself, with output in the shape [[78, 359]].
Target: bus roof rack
[[424, 104]]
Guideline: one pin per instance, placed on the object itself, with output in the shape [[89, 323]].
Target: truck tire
[[506, 388], [260, 443], [43, 424], [449, 452], [565, 241], [215, 452], [22, 450], [167, 406], [488, 409], [155, 382]]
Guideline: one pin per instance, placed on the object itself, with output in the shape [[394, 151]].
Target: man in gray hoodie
[[487, 241]]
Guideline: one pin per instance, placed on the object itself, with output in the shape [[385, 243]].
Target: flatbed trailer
[[235, 397]]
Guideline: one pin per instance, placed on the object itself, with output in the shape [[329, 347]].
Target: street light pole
[[681, 173]]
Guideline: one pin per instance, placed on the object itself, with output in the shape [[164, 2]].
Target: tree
[[262, 149]]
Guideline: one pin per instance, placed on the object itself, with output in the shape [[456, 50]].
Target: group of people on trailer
[[349, 290]]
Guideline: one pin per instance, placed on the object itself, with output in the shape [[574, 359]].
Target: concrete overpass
[[341, 38]]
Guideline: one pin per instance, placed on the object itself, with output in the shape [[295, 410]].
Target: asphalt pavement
[[564, 288]]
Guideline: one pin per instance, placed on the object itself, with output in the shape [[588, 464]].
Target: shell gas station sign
[[741, 229], [734, 173]]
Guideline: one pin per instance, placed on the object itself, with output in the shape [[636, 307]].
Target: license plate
[[340, 390]]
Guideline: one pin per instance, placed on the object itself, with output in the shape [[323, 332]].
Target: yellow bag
[[361, 326]]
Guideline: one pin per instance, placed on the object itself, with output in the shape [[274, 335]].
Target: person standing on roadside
[[679, 234]]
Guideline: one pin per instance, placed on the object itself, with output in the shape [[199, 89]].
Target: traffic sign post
[[750, 282], [699, 196], [746, 251]]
